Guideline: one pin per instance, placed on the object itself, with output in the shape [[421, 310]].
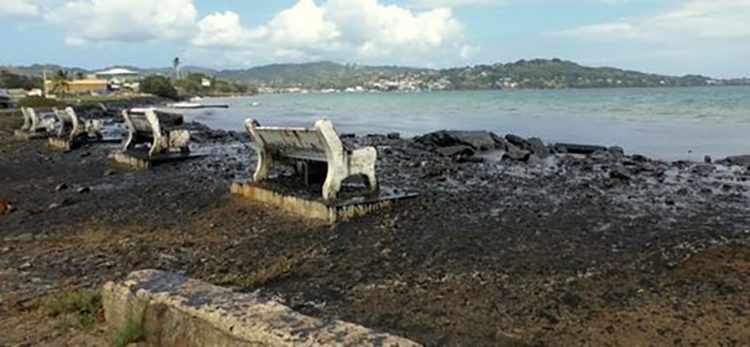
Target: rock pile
[[463, 144]]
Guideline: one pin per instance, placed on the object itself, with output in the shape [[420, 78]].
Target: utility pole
[[44, 83], [176, 67]]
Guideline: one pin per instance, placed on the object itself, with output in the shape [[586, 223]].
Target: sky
[[709, 37]]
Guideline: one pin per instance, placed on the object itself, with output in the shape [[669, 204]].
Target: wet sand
[[594, 250]]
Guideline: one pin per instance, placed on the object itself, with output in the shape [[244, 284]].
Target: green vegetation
[[79, 308], [9, 80], [40, 102], [192, 84], [133, 331], [277, 269], [320, 75], [159, 86], [59, 81]]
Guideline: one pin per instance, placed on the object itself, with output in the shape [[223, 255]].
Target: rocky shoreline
[[511, 242]]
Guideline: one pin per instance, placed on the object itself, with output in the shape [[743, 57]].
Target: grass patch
[[40, 102], [278, 269], [79, 308], [133, 331], [92, 99]]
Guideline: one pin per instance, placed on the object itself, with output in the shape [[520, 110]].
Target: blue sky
[[676, 37]]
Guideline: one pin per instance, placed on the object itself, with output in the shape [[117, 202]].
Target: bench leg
[[130, 142], [332, 185], [372, 181], [265, 161], [362, 162]]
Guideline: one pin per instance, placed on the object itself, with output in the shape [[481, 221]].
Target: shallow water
[[666, 123]]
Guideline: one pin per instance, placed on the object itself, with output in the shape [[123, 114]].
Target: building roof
[[117, 71]]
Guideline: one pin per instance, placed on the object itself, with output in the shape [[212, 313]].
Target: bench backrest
[[68, 121], [33, 122], [142, 122], [299, 143]]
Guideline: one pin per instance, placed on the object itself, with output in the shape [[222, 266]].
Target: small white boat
[[184, 105]]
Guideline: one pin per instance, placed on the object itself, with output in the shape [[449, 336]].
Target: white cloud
[[25, 8], [124, 20], [365, 30], [694, 19], [456, 3]]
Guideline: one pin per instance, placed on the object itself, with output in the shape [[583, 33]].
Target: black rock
[[169, 119], [60, 187], [500, 142], [740, 160], [516, 154], [577, 149], [393, 136], [537, 147], [707, 159], [616, 151], [458, 150], [478, 140], [432, 170], [620, 173], [518, 141]]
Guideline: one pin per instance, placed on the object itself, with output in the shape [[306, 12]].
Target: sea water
[[664, 123]]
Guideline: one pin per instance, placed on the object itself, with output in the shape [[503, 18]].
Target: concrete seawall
[[178, 311]]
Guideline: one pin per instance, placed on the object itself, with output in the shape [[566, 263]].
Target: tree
[[10, 80], [159, 86], [60, 81]]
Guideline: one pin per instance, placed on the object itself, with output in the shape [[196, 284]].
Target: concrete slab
[[179, 311], [27, 135], [331, 212], [139, 159], [65, 144]]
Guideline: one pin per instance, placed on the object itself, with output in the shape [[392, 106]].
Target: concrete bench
[[317, 144], [144, 128], [72, 128], [34, 123]]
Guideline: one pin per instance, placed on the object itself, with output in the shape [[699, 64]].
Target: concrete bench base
[[317, 209], [64, 144], [60, 144], [139, 160], [27, 135], [178, 311]]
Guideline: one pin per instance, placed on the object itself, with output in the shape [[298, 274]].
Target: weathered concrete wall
[[178, 311], [130, 160], [309, 208]]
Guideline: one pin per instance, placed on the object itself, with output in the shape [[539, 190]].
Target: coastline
[[520, 248]]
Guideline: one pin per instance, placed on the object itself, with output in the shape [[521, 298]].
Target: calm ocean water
[[666, 123]]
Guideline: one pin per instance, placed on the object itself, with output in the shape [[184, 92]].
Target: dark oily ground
[[600, 250]]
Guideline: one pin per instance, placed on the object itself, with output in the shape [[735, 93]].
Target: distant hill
[[523, 74], [317, 75]]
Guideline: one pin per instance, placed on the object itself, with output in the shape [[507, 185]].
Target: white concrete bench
[[144, 128], [318, 144], [72, 127], [33, 123]]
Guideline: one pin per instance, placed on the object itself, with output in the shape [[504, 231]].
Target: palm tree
[[176, 67], [60, 81]]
